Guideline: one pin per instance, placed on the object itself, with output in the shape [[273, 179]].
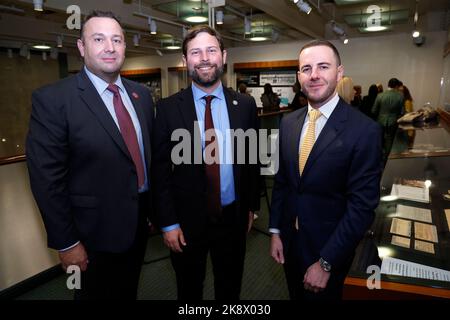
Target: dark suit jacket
[[337, 194], [81, 173], [180, 195]]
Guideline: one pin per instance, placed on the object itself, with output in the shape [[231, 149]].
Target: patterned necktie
[[309, 139], [214, 206], [128, 132]]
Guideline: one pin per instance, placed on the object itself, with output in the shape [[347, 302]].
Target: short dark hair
[[100, 14], [193, 32], [394, 83], [316, 43]]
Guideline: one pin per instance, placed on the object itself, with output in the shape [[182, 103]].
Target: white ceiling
[[19, 23]]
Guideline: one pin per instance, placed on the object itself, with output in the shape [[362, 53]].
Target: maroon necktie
[[128, 132], [214, 206]]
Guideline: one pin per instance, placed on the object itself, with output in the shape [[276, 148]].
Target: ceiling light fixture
[[136, 39], [258, 38], [196, 19], [59, 41], [152, 25], [219, 17], [375, 28], [247, 25], [275, 35], [41, 47], [303, 6], [416, 32], [173, 46], [38, 5], [337, 29]]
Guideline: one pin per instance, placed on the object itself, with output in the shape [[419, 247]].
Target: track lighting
[[219, 17], [136, 38], [303, 6], [247, 25], [38, 5], [152, 25], [59, 41]]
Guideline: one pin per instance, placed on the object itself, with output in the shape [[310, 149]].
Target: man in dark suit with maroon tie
[[205, 206], [88, 155]]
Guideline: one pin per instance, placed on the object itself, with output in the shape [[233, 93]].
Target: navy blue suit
[[335, 198]]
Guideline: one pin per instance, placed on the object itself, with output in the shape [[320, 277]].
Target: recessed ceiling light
[[41, 47], [173, 47], [259, 38], [375, 28], [196, 19]]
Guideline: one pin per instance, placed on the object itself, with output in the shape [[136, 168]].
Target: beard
[[208, 80], [320, 99]]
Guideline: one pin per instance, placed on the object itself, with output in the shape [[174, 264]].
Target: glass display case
[[411, 227]]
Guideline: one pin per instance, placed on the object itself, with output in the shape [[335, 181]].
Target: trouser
[[116, 275], [225, 241]]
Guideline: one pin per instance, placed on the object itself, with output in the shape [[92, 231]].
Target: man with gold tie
[[327, 185]]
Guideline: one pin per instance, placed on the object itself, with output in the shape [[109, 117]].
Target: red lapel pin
[[135, 95]]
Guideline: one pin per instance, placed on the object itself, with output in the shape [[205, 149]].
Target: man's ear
[[184, 60], [340, 74], [80, 46], [224, 56]]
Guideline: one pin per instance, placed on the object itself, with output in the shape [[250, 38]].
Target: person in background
[[243, 89], [328, 182], [345, 89], [357, 99], [295, 103], [380, 87], [270, 99], [369, 100], [88, 156], [408, 103], [387, 108]]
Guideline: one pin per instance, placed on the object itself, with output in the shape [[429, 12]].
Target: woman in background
[[345, 89], [408, 104]]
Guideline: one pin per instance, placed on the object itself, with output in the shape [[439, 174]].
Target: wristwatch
[[325, 265]]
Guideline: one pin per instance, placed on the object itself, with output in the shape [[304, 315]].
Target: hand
[[173, 238], [316, 278], [251, 217], [276, 248], [76, 256]]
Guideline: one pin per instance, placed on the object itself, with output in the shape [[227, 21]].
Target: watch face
[[325, 265]]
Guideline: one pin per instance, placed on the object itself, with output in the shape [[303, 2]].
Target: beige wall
[[366, 60]]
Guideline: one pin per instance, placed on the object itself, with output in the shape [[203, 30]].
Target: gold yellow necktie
[[309, 139]]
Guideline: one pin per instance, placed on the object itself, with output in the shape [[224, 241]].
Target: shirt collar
[[328, 107], [100, 84], [199, 93]]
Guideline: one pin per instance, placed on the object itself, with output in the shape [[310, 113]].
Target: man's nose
[[109, 46]]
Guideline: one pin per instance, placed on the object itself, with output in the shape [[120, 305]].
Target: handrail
[[12, 159]]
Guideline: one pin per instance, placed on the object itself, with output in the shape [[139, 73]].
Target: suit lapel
[[186, 106], [330, 131], [232, 108], [90, 96], [294, 140], [145, 130]]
